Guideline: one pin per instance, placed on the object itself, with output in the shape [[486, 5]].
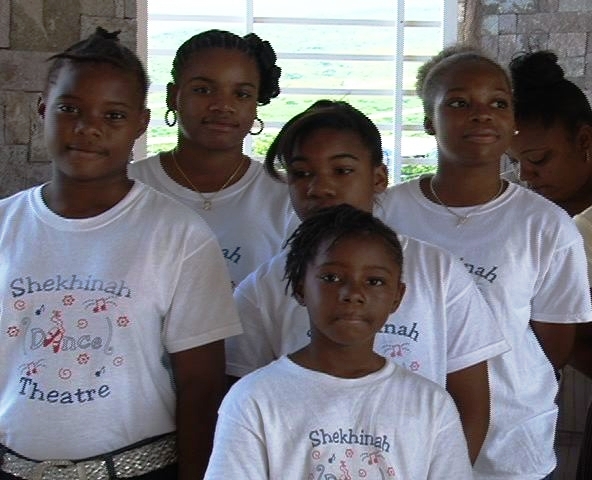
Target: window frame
[[449, 28]]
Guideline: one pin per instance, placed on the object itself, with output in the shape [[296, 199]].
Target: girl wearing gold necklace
[[218, 81]]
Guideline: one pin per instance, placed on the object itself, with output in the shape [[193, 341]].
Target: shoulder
[[168, 215], [143, 164], [17, 198], [541, 216], [422, 390], [270, 272], [259, 384], [260, 180]]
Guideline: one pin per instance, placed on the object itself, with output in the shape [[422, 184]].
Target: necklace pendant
[[461, 221], [207, 205]]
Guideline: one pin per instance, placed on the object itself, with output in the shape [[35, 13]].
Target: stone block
[[507, 23], [19, 108], [575, 6], [490, 25], [130, 9], [580, 82], [17, 173], [573, 66], [548, 5], [568, 44], [508, 46], [490, 45], [97, 8], [561, 22], [119, 8], [4, 23], [21, 70], [509, 6], [37, 151], [127, 36], [44, 25], [533, 41]]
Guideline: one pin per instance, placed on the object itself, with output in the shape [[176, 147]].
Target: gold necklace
[[207, 201], [462, 219]]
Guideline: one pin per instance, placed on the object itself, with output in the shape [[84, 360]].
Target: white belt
[[132, 462]]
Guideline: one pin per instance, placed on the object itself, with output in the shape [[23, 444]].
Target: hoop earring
[[167, 120], [261, 126]]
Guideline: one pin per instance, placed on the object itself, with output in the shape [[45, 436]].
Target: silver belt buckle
[[130, 463], [67, 469]]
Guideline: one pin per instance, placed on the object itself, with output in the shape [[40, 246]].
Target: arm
[[556, 340], [469, 389], [200, 383]]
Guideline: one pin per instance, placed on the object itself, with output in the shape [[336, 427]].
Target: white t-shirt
[[89, 311], [287, 422], [527, 258], [442, 325], [250, 218]]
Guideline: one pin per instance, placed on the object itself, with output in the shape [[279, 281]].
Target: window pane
[[422, 40], [342, 74], [170, 34], [340, 39], [346, 9], [424, 10]]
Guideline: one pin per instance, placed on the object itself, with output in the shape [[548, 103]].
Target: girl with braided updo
[[218, 80], [553, 147], [554, 154], [111, 346]]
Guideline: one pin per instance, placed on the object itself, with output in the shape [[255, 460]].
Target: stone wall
[[30, 32], [505, 27]]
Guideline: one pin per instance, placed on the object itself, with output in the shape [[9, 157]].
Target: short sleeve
[[202, 310]]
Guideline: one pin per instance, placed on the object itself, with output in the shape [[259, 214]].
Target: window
[[366, 53]]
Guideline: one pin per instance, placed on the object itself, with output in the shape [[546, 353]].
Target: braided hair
[[333, 224], [543, 94], [101, 47], [251, 44]]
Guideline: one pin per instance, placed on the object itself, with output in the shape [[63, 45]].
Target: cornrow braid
[[332, 224], [251, 45], [101, 47]]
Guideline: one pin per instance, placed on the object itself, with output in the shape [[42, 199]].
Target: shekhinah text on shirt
[[28, 285], [348, 437]]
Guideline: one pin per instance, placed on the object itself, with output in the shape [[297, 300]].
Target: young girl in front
[[524, 253], [218, 80], [111, 344], [335, 408], [332, 154]]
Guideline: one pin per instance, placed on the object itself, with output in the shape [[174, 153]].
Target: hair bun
[[102, 33], [535, 70]]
